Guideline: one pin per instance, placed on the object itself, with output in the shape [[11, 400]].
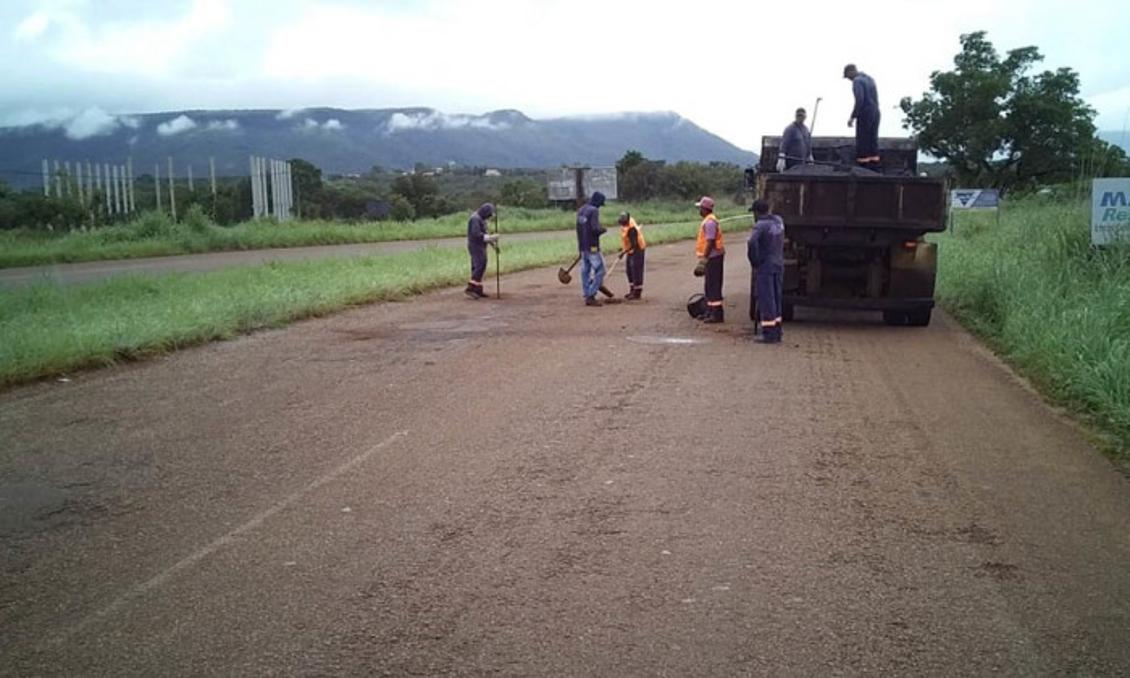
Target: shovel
[[563, 273]]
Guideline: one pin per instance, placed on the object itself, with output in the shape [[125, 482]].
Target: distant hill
[[352, 141], [1118, 138]]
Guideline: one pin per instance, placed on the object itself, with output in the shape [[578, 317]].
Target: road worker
[[796, 143], [478, 238], [632, 246], [589, 231], [711, 255], [766, 251], [865, 117]]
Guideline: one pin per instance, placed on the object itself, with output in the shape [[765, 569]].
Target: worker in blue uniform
[[865, 117], [766, 251]]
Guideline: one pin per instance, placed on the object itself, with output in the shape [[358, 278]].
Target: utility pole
[[191, 187], [172, 190], [58, 181], [129, 178], [157, 183], [78, 183], [46, 179], [106, 189]]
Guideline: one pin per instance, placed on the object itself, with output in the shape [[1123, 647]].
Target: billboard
[[975, 199], [562, 182], [1110, 211]]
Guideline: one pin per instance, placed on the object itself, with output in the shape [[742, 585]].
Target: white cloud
[[92, 122], [229, 125], [433, 120], [331, 125], [181, 123], [288, 113], [35, 25]]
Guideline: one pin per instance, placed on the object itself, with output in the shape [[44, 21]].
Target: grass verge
[[1050, 304], [154, 234], [48, 330]]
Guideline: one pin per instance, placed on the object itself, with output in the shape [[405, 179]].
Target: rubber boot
[[472, 291], [714, 315], [593, 301]]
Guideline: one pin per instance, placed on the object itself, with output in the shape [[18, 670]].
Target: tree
[[307, 185], [523, 193], [997, 125]]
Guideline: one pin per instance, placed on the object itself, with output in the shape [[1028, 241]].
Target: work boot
[[472, 291], [593, 301], [714, 315]]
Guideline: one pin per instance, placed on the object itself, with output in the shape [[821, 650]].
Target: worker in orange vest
[[711, 254], [632, 245]]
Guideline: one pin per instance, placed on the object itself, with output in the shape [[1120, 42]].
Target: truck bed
[[849, 201]]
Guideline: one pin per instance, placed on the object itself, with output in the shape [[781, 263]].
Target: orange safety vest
[[700, 246], [625, 243]]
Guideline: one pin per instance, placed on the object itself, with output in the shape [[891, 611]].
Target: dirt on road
[[532, 487]]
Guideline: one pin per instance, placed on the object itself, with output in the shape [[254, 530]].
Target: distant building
[[492, 173]]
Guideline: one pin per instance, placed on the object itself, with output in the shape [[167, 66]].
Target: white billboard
[[562, 182], [1110, 211]]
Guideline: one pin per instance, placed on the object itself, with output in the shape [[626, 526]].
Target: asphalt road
[[532, 487], [94, 271]]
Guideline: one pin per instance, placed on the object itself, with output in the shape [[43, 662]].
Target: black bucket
[[696, 305]]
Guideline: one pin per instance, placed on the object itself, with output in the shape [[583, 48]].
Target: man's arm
[[860, 92], [633, 240]]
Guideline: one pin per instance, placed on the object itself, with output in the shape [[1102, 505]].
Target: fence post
[[172, 190]]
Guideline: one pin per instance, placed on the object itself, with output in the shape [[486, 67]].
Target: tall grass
[[153, 234], [48, 329], [1055, 307]]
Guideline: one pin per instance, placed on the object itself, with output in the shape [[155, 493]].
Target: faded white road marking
[[220, 542]]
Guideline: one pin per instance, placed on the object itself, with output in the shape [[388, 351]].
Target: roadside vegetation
[[47, 330], [1053, 306], [154, 234]]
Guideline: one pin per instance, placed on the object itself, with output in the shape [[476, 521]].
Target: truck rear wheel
[[895, 317], [918, 318]]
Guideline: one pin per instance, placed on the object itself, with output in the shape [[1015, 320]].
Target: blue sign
[[1110, 211], [975, 199]]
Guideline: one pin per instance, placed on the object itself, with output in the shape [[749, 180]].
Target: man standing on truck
[[477, 240], [632, 245], [711, 255], [589, 231], [866, 112], [796, 143], [766, 251]]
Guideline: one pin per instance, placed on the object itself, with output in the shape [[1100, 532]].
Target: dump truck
[[855, 238]]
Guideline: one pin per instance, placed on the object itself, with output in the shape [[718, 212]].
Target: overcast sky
[[736, 68]]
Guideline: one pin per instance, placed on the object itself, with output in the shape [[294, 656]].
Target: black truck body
[[855, 238]]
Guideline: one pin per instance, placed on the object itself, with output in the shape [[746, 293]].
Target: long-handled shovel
[[563, 273]]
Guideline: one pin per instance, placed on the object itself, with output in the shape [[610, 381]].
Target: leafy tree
[[307, 184], [997, 124], [523, 193], [402, 209]]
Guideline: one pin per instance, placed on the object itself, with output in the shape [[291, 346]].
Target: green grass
[[47, 330], [1055, 308], [153, 234]]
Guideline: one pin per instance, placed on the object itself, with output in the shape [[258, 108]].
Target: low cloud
[[287, 114], [434, 120], [181, 123], [331, 124], [229, 125]]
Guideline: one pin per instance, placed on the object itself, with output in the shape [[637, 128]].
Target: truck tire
[[787, 312], [918, 318], [895, 317]]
